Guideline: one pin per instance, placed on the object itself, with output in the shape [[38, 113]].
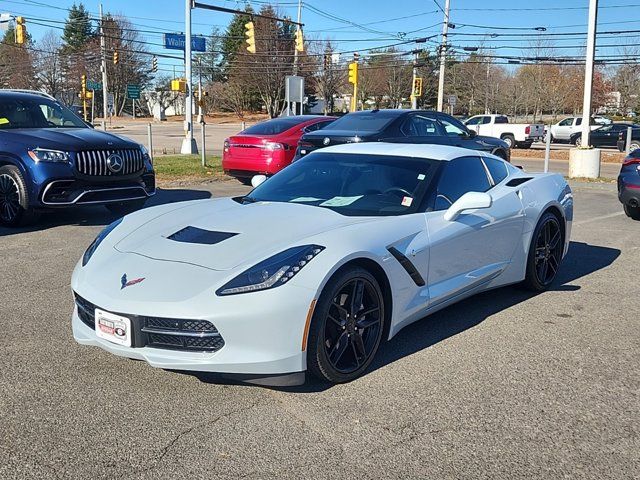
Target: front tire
[[347, 326], [125, 208], [545, 253], [632, 212], [578, 141], [15, 209]]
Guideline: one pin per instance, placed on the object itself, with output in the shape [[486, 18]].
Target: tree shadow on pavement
[[581, 260], [99, 215]]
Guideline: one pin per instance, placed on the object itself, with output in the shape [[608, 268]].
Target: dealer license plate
[[113, 328]]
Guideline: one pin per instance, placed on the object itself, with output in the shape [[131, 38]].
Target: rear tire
[[347, 326], [545, 253], [510, 140], [15, 208], [125, 208], [525, 145], [632, 212], [245, 181]]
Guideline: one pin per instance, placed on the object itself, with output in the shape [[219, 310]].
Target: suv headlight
[[272, 272], [101, 236], [46, 155], [145, 153]]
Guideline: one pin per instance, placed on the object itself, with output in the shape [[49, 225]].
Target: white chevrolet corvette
[[320, 263]]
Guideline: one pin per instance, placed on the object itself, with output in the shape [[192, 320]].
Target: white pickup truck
[[515, 134], [565, 128]]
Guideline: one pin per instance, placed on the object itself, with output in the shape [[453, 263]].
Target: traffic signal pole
[[188, 143], [103, 68], [414, 98], [443, 56]]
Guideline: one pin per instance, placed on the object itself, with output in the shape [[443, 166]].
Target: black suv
[[401, 126], [50, 158]]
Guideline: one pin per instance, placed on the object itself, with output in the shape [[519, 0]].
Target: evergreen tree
[[78, 29], [234, 39]]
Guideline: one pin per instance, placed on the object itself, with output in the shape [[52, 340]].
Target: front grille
[[166, 333], [94, 162]]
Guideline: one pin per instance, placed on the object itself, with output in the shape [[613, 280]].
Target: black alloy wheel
[[347, 326], [9, 199], [545, 253]]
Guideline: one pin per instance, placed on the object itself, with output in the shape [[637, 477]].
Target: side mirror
[[468, 201], [472, 133], [257, 180]]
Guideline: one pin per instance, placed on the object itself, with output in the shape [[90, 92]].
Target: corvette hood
[[223, 234]]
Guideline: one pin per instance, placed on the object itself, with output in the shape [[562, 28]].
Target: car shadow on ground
[[581, 260], [99, 215]]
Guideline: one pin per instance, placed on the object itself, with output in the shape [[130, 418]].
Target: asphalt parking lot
[[503, 385]]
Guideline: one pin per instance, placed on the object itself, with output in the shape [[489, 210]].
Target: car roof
[[390, 112], [9, 93], [426, 151]]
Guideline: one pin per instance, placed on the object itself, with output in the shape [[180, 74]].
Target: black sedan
[[605, 136], [629, 185], [401, 126], [634, 144]]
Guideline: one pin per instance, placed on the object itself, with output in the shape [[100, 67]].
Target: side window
[[566, 122], [579, 121], [473, 121], [420, 126], [497, 169], [486, 120], [452, 127], [502, 120], [462, 175]]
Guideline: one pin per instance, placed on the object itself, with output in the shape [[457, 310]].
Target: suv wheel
[[632, 212], [124, 208], [14, 199]]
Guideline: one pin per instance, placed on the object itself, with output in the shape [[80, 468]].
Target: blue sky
[[424, 20]]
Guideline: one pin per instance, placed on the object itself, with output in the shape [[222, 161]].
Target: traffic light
[[416, 91], [327, 61], [353, 73], [250, 32], [154, 64], [178, 85], [116, 58], [21, 30], [83, 81], [299, 40]]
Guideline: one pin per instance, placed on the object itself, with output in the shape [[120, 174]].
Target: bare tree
[[49, 64]]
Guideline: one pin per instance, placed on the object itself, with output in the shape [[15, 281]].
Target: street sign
[[176, 41], [133, 92], [110, 100], [91, 85], [452, 100]]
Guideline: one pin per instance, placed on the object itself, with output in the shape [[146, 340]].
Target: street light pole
[[443, 53], [295, 57], [588, 72], [414, 99], [103, 67], [188, 143]]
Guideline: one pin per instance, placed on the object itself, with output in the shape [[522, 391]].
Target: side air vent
[[199, 235], [518, 181], [408, 266]]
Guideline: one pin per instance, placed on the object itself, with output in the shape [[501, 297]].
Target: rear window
[[272, 127], [372, 122]]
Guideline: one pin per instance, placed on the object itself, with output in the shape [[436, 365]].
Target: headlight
[[45, 155], [272, 272], [101, 236], [145, 153]]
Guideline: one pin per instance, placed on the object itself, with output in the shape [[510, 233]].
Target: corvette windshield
[[39, 112], [352, 184]]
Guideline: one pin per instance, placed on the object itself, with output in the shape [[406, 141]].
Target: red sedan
[[267, 147]]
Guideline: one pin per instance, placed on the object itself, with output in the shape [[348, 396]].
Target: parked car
[[603, 136], [635, 139], [321, 263], [401, 126], [267, 147], [50, 158], [565, 128], [514, 134], [629, 185], [600, 120]]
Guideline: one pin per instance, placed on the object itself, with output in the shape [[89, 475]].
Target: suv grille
[[166, 333], [94, 162]]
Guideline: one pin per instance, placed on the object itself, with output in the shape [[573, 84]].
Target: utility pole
[[443, 54], [414, 99], [188, 143], [295, 53], [486, 92], [105, 85]]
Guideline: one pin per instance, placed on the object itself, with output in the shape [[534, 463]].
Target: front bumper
[[262, 331]]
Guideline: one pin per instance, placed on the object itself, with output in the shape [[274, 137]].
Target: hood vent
[[198, 235]]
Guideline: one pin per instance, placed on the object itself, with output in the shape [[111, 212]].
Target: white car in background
[[319, 264], [520, 135], [565, 128]]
